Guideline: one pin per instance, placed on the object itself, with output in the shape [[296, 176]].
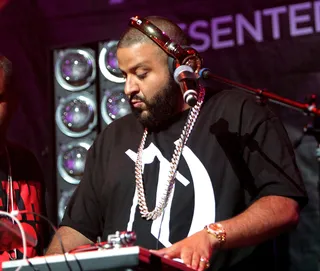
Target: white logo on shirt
[[204, 200]]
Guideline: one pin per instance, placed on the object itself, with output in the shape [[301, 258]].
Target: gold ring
[[205, 260]]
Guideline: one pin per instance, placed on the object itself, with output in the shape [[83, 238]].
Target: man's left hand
[[195, 250]]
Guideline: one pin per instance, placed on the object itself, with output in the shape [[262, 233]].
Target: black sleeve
[[83, 211], [271, 160]]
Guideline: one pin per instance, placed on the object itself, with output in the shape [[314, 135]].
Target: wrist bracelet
[[217, 230]]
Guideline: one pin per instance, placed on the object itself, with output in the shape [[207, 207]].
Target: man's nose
[[130, 87]]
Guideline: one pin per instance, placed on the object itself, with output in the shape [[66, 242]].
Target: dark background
[[288, 66]]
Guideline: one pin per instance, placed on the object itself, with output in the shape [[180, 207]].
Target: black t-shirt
[[28, 186], [237, 153]]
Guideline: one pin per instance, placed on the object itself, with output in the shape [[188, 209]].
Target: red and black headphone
[[178, 55]]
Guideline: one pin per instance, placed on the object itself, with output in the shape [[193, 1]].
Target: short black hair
[[132, 36]]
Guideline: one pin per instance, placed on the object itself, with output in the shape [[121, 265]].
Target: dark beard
[[163, 106]]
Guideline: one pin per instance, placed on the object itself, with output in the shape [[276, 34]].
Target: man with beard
[[213, 184]]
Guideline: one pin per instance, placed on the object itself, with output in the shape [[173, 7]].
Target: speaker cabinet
[[76, 116], [113, 102]]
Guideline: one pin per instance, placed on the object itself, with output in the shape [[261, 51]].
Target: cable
[[77, 260], [10, 199], [56, 234], [160, 228], [47, 264], [15, 213], [23, 235], [31, 265]]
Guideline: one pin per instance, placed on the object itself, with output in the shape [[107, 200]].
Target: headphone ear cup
[[171, 64]]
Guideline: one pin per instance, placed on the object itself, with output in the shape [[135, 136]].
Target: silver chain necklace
[[162, 203]]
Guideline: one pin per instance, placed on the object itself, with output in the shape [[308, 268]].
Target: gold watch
[[217, 230]]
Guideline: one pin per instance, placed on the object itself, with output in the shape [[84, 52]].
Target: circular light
[[114, 105], [75, 69], [63, 202], [108, 62], [71, 161], [76, 115]]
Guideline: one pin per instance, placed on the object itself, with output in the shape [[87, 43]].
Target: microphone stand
[[263, 96]]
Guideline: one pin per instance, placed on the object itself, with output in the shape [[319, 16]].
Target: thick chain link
[[162, 203]]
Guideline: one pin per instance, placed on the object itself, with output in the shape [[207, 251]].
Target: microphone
[[186, 78]]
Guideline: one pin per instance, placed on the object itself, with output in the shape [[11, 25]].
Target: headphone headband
[[188, 56]]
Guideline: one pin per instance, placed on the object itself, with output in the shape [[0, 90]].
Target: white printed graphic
[[204, 200]]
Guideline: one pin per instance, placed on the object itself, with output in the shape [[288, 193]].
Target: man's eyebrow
[[143, 64]]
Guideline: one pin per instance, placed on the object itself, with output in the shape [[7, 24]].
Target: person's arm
[[274, 183], [264, 219], [81, 220], [70, 240]]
